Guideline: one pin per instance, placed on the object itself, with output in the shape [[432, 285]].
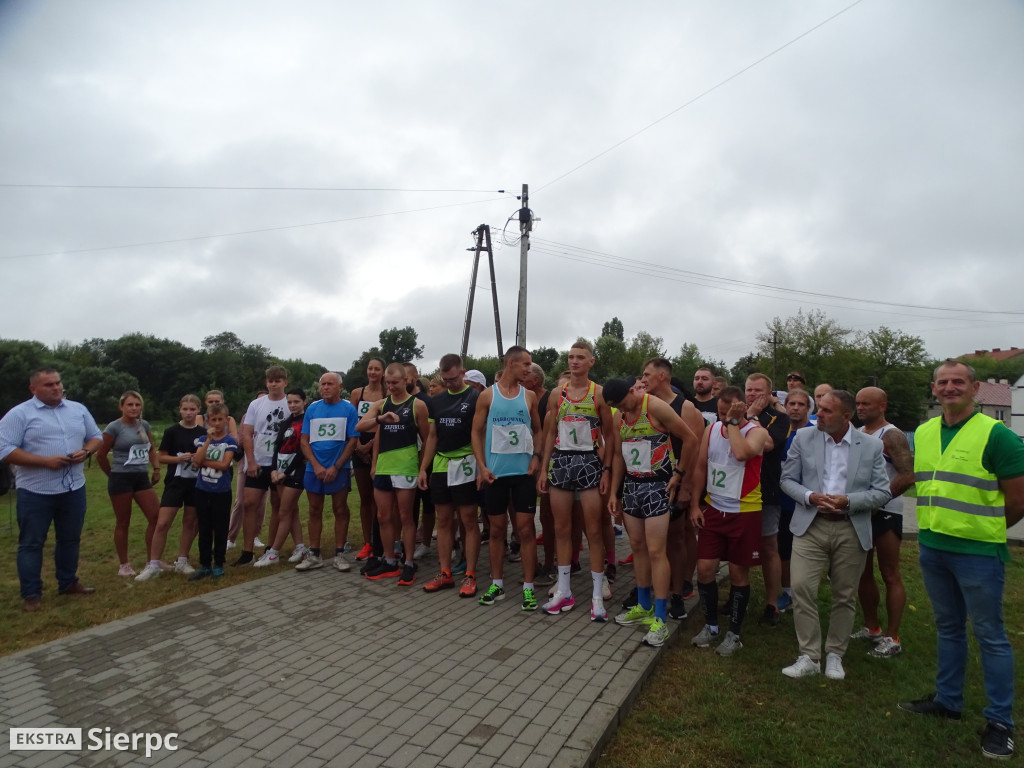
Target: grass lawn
[[701, 710], [116, 596]]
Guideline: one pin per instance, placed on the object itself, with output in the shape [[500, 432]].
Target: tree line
[[97, 371]]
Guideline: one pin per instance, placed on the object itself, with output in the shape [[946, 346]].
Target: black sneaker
[[928, 706], [575, 567], [997, 741], [244, 559], [631, 599], [372, 562], [677, 609], [408, 575], [770, 617], [610, 573]]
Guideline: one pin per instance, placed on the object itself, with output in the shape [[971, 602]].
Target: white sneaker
[[257, 543], [341, 564], [310, 562], [834, 667], [886, 648], [298, 553], [802, 667], [230, 544], [606, 588], [268, 558], [151, 571], [183, 567], [420, 552]]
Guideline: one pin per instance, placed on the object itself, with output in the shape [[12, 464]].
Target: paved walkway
[[327, 668]]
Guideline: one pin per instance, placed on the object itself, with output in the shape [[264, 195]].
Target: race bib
[[364, 407], [215, 453], [185, 470], [461, 471], [327, 429], [403, 482], [637, 455], [574, 436], [514, 438], [725, 480], [284, 460], [138, 455]]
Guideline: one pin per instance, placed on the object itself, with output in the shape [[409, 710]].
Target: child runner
[[213, 492]]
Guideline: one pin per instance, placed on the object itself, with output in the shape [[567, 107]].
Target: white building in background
[[1016, 422]]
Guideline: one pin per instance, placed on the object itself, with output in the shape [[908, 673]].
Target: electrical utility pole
[[483, 235], [525, 227]]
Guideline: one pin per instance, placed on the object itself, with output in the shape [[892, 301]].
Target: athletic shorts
[[521, 490], [460, 495], [179, 493], [292, 481], [883, 521], [262, 480], [645, 498], [733, 536], [785, 535], [575, 470], [313, 484], [128, 482], [395, 482], [770, 514]]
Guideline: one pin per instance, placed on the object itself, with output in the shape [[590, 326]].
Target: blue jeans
[[960, 585], [35, 513]]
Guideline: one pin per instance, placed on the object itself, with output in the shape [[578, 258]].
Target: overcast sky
[[877, 156]]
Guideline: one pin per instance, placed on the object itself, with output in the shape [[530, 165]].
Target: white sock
[[563, 579], [528, 585], [499, 583], [598, 579]]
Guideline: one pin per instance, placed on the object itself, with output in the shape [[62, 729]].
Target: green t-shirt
[[1004, 458]]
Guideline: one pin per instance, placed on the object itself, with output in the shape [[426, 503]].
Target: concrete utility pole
[[525, 227], [483, 235]]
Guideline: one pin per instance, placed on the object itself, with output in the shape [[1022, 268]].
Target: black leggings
[[213, 512]]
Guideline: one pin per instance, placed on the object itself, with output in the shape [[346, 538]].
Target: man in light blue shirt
[[48, 438]]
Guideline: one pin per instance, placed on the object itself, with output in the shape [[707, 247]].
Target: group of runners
[[638, 451]]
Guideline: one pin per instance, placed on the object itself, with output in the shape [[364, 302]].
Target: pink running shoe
[[559, 604]]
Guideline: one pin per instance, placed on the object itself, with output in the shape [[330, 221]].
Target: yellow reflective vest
[[956, 495]]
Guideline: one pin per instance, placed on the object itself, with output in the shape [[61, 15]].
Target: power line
[[241, 189], [699, 96]]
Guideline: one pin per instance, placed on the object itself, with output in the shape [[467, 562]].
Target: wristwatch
[[733, 422]]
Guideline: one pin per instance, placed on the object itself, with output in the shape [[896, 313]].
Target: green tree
[[614, 328], [399, 345], [17, 360], [897, 362], [545, 357], [99, 388], [689, 359]]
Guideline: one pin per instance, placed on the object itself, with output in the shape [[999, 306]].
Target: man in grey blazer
[[837, 476]]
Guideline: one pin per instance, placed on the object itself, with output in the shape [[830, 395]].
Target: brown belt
[[835, 517]]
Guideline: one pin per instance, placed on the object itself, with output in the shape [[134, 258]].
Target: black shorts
[[460, 495], [395, 482], [521, 490], [291, 481], [883, 521], [262, 480], [645, 498], [128, 482], [575, 470], [179, 492]]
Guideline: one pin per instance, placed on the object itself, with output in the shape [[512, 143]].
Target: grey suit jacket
[[867, 485]]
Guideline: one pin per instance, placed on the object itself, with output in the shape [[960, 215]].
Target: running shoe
[[657, 634], [230, 544], [529, 600], [677, 608], [631, 599], [606, 589], [341, 564], [421, 551], [441, 581], [597, 610], [885, 648], [514, 553], [627, 560], [182, 567], [730, 645], [785, 602], [468, 588], [257, 543], [866, 634], [459, 568], [385, 570], [493, 594], [560, 603], [610, 571], [802, 667], [704, 638], [268, 558], [151, 571], [371, 564], [408, 575], [364, 553], [298, 553], [244, 559], [126, 570], [201, 573], [544, 577], [636, 614], [688, 591], [216, 572], [310, 563]]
